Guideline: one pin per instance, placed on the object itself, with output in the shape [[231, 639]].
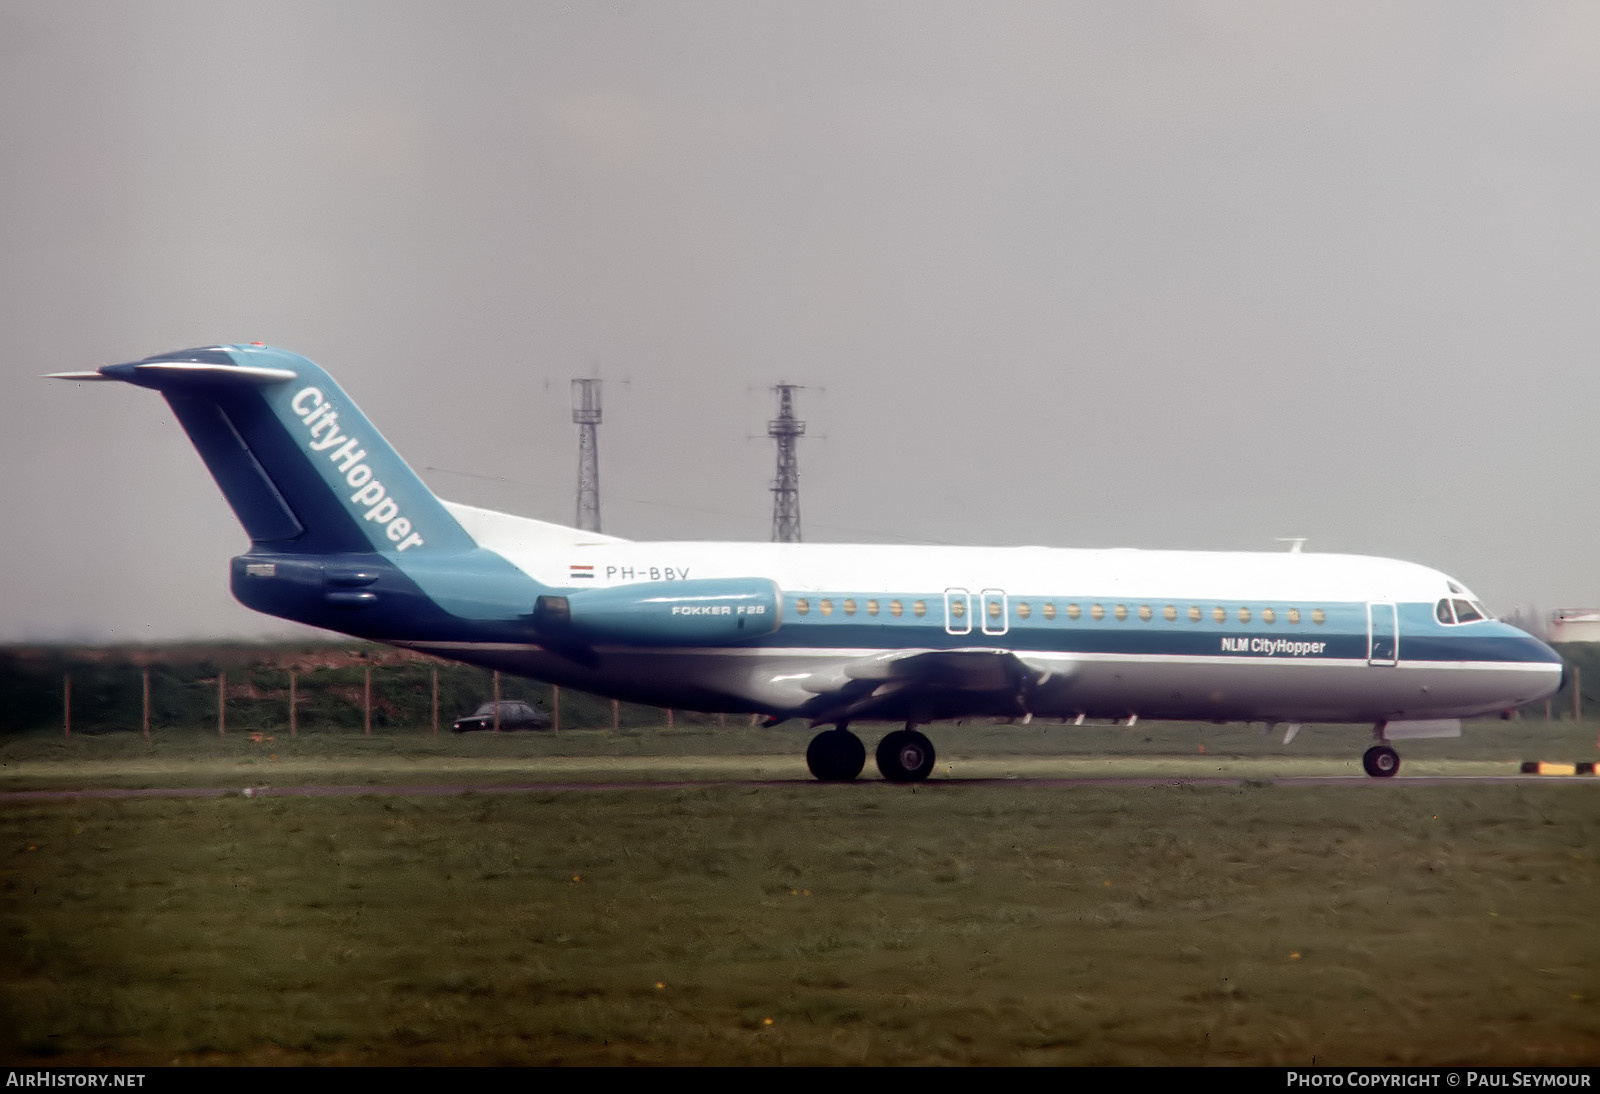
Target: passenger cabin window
[[1220, 614], [1318, 616], [827, 607], [872, 607], [919, 609], [1049, 609], [1294, 615], [1194, 614], [849, 607], [1268, 615], [895, 609], [1023, 611]]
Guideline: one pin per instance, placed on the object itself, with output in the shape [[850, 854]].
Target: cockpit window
[[1455, 610]]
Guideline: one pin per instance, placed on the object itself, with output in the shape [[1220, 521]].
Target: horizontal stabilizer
[[161, 374]]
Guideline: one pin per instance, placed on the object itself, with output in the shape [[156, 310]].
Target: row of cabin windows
[[919, 608], [1024, 609]]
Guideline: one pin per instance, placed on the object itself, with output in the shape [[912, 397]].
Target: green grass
[[806, 924], [177, 758]]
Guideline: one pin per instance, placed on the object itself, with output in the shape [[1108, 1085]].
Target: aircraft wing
[[920, 684]]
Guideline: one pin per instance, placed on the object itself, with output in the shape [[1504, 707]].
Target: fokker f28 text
[[343, 535]]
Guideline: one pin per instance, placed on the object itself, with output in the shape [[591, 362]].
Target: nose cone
[[1537, 655]]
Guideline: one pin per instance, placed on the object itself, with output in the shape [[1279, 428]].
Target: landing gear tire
[[905, 756], [836, 756], [1381, 761]]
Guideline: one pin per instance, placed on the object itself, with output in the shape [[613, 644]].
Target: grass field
[[971, 922]]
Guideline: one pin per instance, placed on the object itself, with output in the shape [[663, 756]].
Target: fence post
[[294, 714], [1577, 694], [146, 675], [436, 700], [66, 704], [616, 716], [497, 700], [366, 704], [222, 704], [555, 709]]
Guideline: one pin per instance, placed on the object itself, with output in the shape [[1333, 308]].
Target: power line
[[586, 415], [786, 429]]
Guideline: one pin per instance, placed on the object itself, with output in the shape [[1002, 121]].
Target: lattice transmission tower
[[786, 429], [586, 414]]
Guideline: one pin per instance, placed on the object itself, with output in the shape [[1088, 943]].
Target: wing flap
[[898, 683]]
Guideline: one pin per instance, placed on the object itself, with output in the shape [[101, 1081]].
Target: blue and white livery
[[343, 535]]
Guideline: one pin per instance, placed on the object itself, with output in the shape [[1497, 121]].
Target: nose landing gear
[[1381, 761]]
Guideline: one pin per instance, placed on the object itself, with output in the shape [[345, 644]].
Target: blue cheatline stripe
[[1342, 635]]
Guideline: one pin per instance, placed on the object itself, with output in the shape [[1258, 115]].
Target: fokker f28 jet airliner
[[344, 536]]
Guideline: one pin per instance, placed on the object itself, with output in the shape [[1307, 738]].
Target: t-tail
[[343, 534]]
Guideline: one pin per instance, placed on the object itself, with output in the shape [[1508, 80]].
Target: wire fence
[[281, 691], [373, 689]]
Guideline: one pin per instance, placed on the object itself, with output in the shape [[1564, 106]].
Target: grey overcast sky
[[1076, 274]]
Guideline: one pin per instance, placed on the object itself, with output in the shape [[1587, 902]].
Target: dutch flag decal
[[581, 572]]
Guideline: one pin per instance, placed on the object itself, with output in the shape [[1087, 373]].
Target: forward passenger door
[[1383, 634]]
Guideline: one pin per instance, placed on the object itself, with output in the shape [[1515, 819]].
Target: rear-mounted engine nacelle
[[663, 613]]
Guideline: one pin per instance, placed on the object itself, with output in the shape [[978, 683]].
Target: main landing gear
[[905, 756], [837, 755]]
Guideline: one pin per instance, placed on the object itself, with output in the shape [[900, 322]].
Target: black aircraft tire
[[836, 756], [905, 756], [1381, 762]]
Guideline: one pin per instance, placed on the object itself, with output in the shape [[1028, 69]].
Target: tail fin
[[302, 467]]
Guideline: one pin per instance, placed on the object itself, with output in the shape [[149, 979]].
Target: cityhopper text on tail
[[343, 535]]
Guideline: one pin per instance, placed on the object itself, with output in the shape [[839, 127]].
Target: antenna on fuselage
[[1294, 542]]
